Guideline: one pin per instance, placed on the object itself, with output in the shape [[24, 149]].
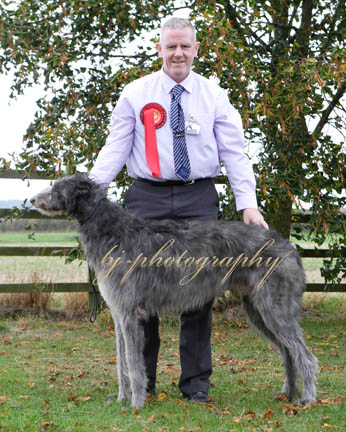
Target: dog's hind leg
[[256, 322], [280, 313], [308, 366], [133, 334], [290, 385]]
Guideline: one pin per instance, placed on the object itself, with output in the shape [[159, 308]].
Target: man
[[172, 128]]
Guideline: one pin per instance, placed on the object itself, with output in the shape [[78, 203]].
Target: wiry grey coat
[[146, 267]]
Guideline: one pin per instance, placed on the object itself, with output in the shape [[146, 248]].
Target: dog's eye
[[55, 196]]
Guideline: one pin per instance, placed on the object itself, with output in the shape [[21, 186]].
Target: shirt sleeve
[[229, 135], [117, 148]]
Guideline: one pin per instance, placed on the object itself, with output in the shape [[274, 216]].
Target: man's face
[[177, 49]]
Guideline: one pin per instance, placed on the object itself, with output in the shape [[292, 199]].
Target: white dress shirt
[[220, 136]]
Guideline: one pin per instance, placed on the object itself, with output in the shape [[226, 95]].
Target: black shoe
[[199, 396], [151, 391]]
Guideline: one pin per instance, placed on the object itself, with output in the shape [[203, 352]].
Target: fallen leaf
[[236, 420], [46, 424], [289, 409], [62, 325], [149, 397], [250, 415], [161, 397], [281, 397], [84, 399], [268, 414]]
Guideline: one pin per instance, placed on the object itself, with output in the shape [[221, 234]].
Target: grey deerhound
[[146, 267]]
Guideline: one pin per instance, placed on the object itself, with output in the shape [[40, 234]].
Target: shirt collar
[[169, 83]]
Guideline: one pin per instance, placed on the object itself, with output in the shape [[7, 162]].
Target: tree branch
[[145, 56], [337, 14], [326, 113], [294, 12], [303, 35], [238, 23]]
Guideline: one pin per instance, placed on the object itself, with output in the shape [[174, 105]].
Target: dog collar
[[92, 211]]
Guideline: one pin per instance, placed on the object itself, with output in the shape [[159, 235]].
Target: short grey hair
[[177, 23]]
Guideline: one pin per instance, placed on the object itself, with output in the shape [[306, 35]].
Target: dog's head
[[65, 196]]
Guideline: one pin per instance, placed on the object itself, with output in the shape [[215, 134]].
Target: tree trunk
[[281, 219]]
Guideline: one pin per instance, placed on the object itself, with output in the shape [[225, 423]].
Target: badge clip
[[191, 126]]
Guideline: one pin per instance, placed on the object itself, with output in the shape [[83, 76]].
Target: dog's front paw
[[287, 391], [138, 401], [302, 402]]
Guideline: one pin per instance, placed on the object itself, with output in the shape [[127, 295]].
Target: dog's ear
[[82, 190]]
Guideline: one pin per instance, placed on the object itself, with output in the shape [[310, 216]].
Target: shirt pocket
[[203, 118]]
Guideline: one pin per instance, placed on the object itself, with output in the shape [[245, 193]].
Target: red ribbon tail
[[151, 152]]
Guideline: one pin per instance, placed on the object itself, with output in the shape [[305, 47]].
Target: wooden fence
[[52, 251]]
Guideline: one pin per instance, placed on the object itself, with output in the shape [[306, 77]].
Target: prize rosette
[[160, 115], [153, 116]]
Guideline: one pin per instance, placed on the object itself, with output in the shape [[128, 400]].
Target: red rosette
[[160, 115]]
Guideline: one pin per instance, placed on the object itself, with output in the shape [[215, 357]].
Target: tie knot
[[177, 90]]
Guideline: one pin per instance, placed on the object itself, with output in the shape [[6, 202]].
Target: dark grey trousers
[[192, 201]]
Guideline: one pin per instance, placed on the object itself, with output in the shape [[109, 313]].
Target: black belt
[[171, 182]]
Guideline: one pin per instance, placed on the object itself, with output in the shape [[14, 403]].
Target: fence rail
[[54, 251]]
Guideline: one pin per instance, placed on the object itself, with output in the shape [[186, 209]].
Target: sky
[[15, 117]]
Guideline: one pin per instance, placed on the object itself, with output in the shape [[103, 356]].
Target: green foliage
[[283, 64]]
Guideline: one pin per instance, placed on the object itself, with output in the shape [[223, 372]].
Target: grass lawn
[[55, 376], [40, 269], [22, 238]]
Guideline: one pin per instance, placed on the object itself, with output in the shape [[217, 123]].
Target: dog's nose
[[32, 201]]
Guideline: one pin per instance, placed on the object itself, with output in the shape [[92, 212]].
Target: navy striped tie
[[181, 158]]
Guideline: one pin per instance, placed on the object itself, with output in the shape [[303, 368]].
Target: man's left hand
[[253, 216]]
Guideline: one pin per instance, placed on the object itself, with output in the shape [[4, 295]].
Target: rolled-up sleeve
[[117, 148], [229, 135]]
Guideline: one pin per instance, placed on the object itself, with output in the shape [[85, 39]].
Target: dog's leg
[[255, 320], [133, 333], [281, 317], [123, 373], [307, 363], [290, 385]]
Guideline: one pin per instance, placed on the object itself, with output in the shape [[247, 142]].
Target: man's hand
[[253, 216]]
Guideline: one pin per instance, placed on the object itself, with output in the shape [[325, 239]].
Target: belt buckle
[[190, 182]]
